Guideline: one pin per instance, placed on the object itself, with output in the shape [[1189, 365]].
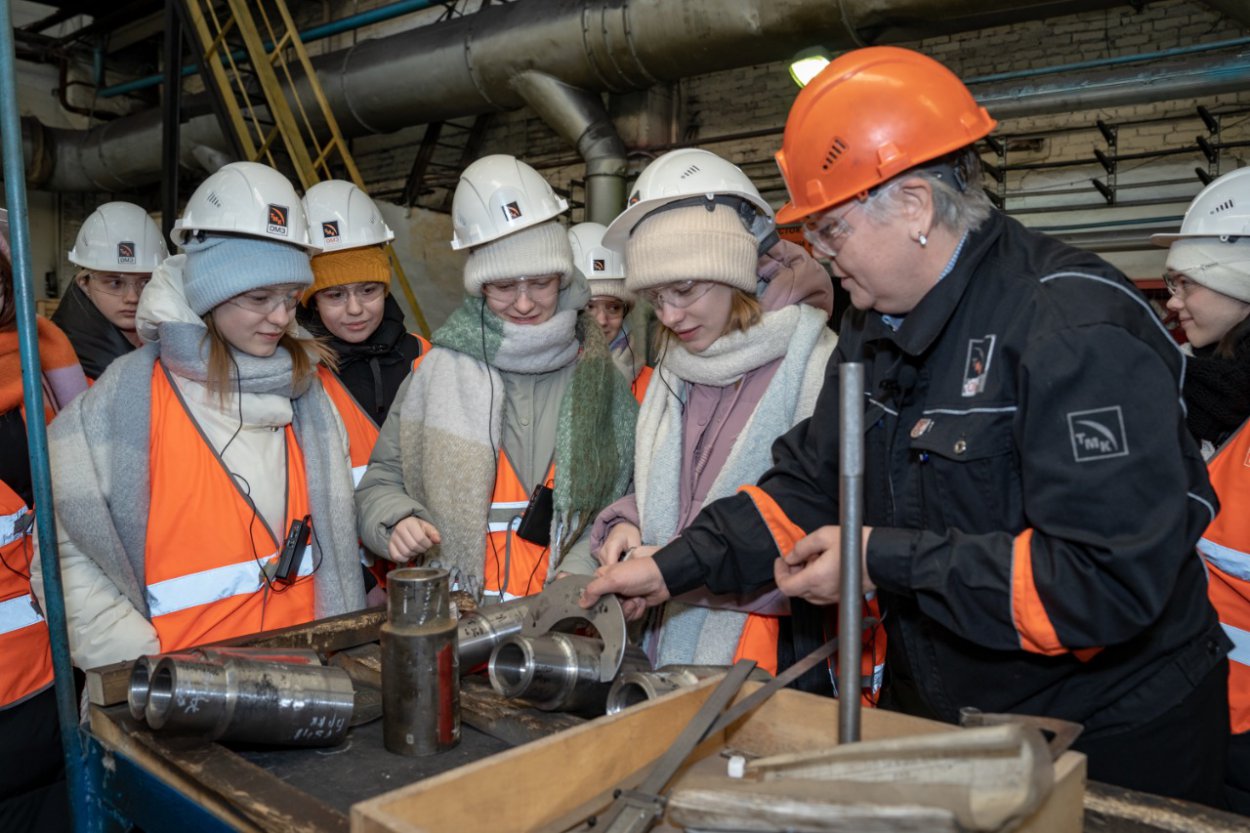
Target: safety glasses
[[119, 285], [679, 295], [509, 291], [264, 301], [336, 296]]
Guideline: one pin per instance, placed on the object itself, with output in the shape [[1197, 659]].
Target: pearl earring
[[922, 239]]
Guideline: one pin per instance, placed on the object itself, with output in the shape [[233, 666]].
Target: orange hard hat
[[868, 116]]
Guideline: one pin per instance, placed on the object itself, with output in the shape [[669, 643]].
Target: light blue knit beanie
[[218, 268]]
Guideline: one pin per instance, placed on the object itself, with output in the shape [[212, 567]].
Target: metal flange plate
[[557, 609]]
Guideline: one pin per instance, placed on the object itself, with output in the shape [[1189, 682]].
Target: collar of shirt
[[896, 321]]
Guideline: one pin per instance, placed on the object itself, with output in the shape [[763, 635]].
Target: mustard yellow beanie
[[362, 265]]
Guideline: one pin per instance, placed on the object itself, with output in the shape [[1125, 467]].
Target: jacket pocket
[[970, 460]]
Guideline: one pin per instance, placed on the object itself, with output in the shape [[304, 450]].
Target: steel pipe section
[[420, 667], [250, 701], [141, 672], [556, 672], [634, 687], [483, 629]]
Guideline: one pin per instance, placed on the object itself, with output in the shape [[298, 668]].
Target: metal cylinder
[[634, 687], [480, 631], [420, 664], [851, 517], [141, 672], [556, 672], [250, 701]]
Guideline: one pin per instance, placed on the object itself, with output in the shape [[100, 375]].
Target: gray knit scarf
[[451, 428], [695, 634], [100, 447]]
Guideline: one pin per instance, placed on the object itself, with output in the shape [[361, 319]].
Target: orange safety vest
[[27, 665], [362, 431], [1225, 549], [205, 541], [641, 382], [514, 567]]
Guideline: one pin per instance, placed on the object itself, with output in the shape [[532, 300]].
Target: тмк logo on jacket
[[1098, 434]]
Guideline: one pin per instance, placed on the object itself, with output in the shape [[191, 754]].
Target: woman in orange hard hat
[[1032, 493]]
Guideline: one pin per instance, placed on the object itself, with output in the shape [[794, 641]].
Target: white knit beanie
[[1215, 264], [538, 250], [612, 287], [691, 243]]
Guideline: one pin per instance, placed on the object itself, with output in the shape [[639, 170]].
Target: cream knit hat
[[1224, 267], [538, 250], [691, 243]]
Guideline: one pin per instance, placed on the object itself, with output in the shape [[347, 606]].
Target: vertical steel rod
[[851, 512], [171, 118], [37, 436]]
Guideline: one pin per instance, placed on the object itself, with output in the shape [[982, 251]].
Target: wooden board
[[577, 768]]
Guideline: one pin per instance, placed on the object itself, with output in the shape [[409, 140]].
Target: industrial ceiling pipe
[[471, 64]]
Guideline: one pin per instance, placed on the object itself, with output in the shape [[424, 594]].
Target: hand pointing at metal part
[[637, 581]]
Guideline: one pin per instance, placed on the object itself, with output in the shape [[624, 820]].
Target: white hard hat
[[1220, 210], [498, 195], [341, 216], [679, 175], [119, 237], [246, 198], [596, 261]]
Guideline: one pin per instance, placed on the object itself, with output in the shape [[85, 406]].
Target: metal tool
[[420, 665], [141, 673], [634, 687], [250, 701], [557, 609], [851, 519], [1059, 734], [556, 672]]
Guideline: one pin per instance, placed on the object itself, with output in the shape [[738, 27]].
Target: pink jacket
[[715, 416]]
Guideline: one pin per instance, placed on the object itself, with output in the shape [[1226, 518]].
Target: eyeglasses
[[610, 308], [119, 285], [507, 291], [336, 296], [828, 234], [1177, 284], [679, 296], [263, 302]]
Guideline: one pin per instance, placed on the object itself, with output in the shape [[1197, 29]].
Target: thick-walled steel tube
[[851, 515], [634, 687], [141, 673], [480, 631], [556, 672], [251, 701], [420, 665]]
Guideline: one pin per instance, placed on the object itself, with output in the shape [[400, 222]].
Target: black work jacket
[[1034, 493], [97, 341]]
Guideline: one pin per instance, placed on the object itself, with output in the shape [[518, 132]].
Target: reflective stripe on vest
[[513, 565], [1234, 562], [213, 585], [1224, 547], [204, 538], [17, 613], [26, 668], [9, 530]]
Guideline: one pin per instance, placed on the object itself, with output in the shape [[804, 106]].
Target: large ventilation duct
[[575, 50]]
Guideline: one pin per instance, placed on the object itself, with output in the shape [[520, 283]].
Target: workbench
[[165, 783]]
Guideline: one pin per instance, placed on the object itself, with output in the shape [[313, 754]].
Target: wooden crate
[[571, 775]]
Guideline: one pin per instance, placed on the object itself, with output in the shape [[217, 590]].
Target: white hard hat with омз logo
[[119, 237], [342, 216], [498, 195], [248, 199]]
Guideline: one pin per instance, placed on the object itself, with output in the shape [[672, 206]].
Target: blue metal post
[[32, 391]]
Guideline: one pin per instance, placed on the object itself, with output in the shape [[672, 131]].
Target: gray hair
[[958, 211]]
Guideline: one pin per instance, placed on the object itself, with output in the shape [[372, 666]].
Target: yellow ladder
[[271, 109]]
